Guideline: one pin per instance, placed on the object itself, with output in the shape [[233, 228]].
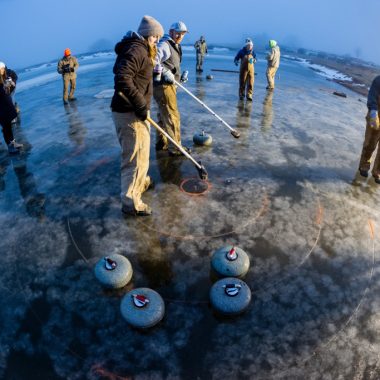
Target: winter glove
[[184, 76], [72, 69], [157, 72], [236, 62], [374, 119], [142, 113], [168, 77]]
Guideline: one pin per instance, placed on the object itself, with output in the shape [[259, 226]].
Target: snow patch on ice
[[322, 70], [46, 78]]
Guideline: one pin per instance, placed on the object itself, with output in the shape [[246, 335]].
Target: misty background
[[36, 31]]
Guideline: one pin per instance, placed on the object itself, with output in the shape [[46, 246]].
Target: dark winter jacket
[[373, 100], [133, 71], [243, 52], [7, 109], [11, 74]]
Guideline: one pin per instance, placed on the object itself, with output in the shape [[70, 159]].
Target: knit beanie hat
[[149, 26]]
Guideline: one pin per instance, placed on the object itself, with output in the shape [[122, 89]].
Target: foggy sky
[[36, 31]]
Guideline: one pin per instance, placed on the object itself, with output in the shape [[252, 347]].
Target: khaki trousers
[[134, 139], [246, 80], [271, 72], [371, 141], [199, 61], [168, 114], [68, 80]]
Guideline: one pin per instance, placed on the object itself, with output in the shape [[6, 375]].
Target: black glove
[[142, 113], [72, 69]]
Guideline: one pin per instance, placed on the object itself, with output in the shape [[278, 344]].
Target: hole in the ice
[[194, 186]]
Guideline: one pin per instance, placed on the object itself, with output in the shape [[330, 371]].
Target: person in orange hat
[[67, 67]]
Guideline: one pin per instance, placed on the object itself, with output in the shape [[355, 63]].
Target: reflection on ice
[[282, 192]]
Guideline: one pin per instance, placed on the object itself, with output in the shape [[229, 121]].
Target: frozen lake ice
[[285, 192]]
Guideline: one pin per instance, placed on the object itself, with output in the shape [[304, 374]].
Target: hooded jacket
[[7, 109], [273, 57], [244, 52], [133, 70], [373, 100]]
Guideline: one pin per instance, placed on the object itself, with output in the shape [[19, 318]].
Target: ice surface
[[283, 192]]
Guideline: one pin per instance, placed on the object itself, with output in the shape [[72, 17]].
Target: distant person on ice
[[168, 70], [10, 87], [273, 59], [67, 67], [7, 113], [201, 50], [133, 70], [247, 58], [372, 133]]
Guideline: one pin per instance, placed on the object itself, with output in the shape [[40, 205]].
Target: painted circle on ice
[[113, 271], [230, 261], [230, 296], [142, 308]]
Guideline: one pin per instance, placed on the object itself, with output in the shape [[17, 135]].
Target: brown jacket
[[133, 71], [67, 66]]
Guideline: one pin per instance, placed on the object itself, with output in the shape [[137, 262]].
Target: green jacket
[[67, 66]]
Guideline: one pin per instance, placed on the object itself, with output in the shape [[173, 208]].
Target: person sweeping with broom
[[133, 74]]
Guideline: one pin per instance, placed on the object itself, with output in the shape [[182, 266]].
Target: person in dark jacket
[[372, 133], [247, 58], [133, 70], [7, 113]]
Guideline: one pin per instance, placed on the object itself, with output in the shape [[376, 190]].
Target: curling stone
[[142, 308], [209, 77], [114, 271], [202, 138], [230, 261], [230, 296]]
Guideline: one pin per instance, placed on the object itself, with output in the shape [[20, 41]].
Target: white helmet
[[179, 27]]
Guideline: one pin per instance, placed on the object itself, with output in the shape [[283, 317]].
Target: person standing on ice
[[247, 58], [168, 70], [7, 113], [372, 133], [133, 74], [67, 67], [273, 58], [10, 87], [201, 50]]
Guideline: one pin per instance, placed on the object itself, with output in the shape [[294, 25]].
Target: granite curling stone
[[114, 271], [230, 261], [230, 296], [202, 138], [209, 77], [142, 308]]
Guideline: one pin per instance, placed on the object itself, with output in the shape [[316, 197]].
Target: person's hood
[[130, 37], [166, 37], [272, 43]]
